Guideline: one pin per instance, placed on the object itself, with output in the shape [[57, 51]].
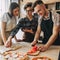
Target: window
[[4, 5], [58, 7]]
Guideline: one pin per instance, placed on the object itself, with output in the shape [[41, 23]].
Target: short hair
[[29, 4], [37, 2]]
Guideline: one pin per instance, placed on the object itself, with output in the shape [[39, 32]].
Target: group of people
[[31, 25]]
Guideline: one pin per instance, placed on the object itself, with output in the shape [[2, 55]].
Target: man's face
[[39, 9], [29, 11]]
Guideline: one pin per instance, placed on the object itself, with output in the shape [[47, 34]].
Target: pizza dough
[[15, 47], [6, 53], [41, 58], [34, 54], [25, 57], [16, 56], [34, 51], [3, 49]]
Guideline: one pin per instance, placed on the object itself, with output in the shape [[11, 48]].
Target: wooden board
[[12, 48]]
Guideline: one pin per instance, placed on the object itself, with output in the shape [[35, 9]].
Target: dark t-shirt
[[26, 23]]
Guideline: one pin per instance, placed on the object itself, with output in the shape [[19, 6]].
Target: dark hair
[[13, 5], [29, 4], [36, 3]]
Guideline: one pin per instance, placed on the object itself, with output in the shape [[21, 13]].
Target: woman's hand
[[33, 43], [43, 48], [9, 42]]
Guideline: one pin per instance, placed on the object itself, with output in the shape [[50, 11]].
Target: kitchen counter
[[52, 52]]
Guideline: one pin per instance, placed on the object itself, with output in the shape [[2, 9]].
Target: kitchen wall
[[51, 5]]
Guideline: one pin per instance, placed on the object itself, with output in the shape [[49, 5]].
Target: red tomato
[[35, 48]]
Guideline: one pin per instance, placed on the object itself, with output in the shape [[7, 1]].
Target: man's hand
[[28, 30], [8, 42], [43, 48], [33, 43]]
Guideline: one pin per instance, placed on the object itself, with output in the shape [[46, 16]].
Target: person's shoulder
[[5, 14], [4, 17], [54, 13], [22, 18], [55, 18]]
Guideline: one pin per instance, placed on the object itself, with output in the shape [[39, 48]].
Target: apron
[[47, 27]]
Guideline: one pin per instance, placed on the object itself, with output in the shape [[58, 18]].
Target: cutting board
[[12, 48]]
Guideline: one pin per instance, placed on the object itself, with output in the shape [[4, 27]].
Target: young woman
[[28, 25], [8, 22]]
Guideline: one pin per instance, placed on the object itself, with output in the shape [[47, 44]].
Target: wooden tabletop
[[52, 52]]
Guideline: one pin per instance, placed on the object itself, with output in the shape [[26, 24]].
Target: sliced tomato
[[33, 50]]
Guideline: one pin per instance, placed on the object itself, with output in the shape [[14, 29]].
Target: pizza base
[[41, 58], [34, 54], [25, 58], [6, 53], [15, 47]]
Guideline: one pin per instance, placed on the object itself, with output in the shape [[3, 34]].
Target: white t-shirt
[[10, 22]]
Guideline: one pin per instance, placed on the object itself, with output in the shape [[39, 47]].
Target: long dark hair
[[13, 5]]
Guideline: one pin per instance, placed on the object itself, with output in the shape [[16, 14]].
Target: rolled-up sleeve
[[39, 20], [56, 19], [4, 17]]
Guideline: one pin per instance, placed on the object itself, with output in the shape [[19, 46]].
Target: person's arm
[[51, 39], [3, 31], [16, 29], [53, 36], [13, 33], [55, 19], [28, 30], [17, 40], [37, 35]]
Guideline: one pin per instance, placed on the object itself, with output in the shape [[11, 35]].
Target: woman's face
[[16, 11], [29, 11]]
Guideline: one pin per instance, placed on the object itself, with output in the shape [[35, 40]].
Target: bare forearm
[[37, 36], [51, 40], [3, 31], [53, 36], [3, 34], [37, 33], [15, 38]]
